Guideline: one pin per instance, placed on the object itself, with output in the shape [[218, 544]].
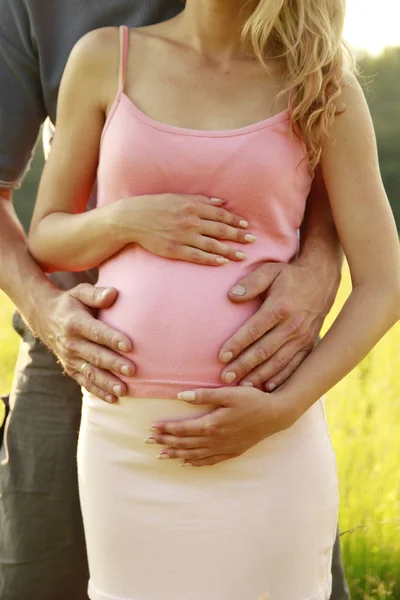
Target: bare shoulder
[[92, 67], [351, 99], [96, 50]]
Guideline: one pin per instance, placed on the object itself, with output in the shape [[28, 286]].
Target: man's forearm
[[20, 277], [319, 242]]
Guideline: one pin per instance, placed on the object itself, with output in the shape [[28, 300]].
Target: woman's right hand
[[183, 227]]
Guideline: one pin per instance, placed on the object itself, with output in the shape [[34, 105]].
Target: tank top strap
[[123, 56]]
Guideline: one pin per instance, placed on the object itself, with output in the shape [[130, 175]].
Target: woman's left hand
[[243, 417]]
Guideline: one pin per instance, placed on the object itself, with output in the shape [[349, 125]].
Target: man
[[42, 553]]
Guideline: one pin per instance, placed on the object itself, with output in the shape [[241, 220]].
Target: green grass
[[364, 416]]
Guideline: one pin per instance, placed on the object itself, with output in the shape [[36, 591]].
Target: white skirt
[[257, 527]]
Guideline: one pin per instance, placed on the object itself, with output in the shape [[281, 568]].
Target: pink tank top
[[178, 314]]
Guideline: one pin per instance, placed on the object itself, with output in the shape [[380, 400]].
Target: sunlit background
[[373, 24]]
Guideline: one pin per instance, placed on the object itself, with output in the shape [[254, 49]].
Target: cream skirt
[[257, 527]]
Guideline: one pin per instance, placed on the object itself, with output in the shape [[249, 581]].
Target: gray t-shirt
[[36, 38]]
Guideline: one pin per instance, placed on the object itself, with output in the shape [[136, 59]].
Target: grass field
[[364, 416]]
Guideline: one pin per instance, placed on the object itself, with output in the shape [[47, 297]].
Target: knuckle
[[72, 326], [282, 311], [254, 332], [213, 429], [90, 374], [294, 326], [280, 362], [170, 248], [189, 207], [95, 333], [262, 354], [94, 358], [67, 344], [195, 256], [91, 388], [211, 247], [221, 231], [80, 289]]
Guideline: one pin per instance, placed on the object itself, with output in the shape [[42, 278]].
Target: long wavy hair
[[307, 34]]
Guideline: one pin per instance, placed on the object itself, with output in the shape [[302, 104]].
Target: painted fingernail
[[249, 237], [154, 429], [217, 200], [241, 255], [186, 464], [123, 347], [163, 457], [221, 260], [271, 387], [226, 357], [229, 377], [247, 384], [238, 290], [187, 396], [109, 399], [244, 224], [150, 441], [125, 370], [117, 390]]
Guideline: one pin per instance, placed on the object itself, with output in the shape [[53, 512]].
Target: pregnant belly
[[178, 316]]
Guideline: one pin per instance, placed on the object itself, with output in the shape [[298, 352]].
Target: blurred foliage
[[380, 78]]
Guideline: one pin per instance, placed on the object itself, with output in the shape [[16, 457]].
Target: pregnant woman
[[228, 114]]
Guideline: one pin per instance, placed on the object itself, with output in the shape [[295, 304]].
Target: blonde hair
[[307, 34]]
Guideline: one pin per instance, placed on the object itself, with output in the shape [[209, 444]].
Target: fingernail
[[229, 377], [117, 390], [217, 200], [150, 441], [249, 237], [226, 357], [238, 290], [109, 399], [163, 457], [271, 387], [243, 224], [154, 429], [187, 396], [221, 260], [186, 464], [125, 370], [123, 347], [103, 294], [246, 384], [241, 255]]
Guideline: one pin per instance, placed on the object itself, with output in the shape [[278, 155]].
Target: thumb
[[214, 396], [256, 283], [95, 297]]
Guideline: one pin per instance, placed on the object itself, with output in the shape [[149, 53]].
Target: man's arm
[[274, 342], [61, 319]]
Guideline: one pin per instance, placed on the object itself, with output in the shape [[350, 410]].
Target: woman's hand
[[242, 417], [182, 227]]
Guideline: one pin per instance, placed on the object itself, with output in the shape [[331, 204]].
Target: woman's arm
[[61, 232], [368, 235]]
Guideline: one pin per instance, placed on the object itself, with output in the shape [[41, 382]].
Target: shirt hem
[[95, 594]]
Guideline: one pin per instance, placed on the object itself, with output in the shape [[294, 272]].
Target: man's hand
[[242, 418], [88, 349], [275, 341]]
